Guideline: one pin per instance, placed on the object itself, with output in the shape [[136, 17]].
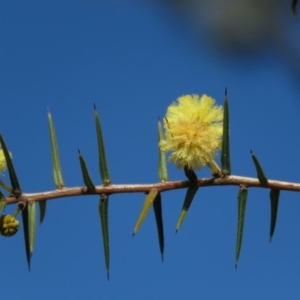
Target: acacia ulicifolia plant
[[195, 131]]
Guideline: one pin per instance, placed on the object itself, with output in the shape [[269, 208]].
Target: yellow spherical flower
[[2, 161], [193, 129]]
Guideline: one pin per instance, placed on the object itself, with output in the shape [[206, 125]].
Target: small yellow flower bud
[[8, 225]]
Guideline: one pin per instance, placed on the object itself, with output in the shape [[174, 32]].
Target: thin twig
[[144, 188]]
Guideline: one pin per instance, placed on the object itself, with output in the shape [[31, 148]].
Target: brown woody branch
[[145, 188]]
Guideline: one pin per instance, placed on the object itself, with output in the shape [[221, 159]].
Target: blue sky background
[[132, 60]]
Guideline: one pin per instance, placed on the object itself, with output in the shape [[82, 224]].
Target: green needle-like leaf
[[274, 199], [32, 224], [260, 172], [162, 162], [2, 205], [85, 174], [225, 155], [190, 193], [294, 7], [6, 187], [12, 174], [151, 196], [2, 202], [242, 201], [101, 149], [42, 206], [103, 211], [57, 172], [159, 223], [190, 174], [26, 234], [157, 205]]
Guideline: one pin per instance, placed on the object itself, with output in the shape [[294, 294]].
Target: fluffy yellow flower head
[[2, 161], [193, 129]]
